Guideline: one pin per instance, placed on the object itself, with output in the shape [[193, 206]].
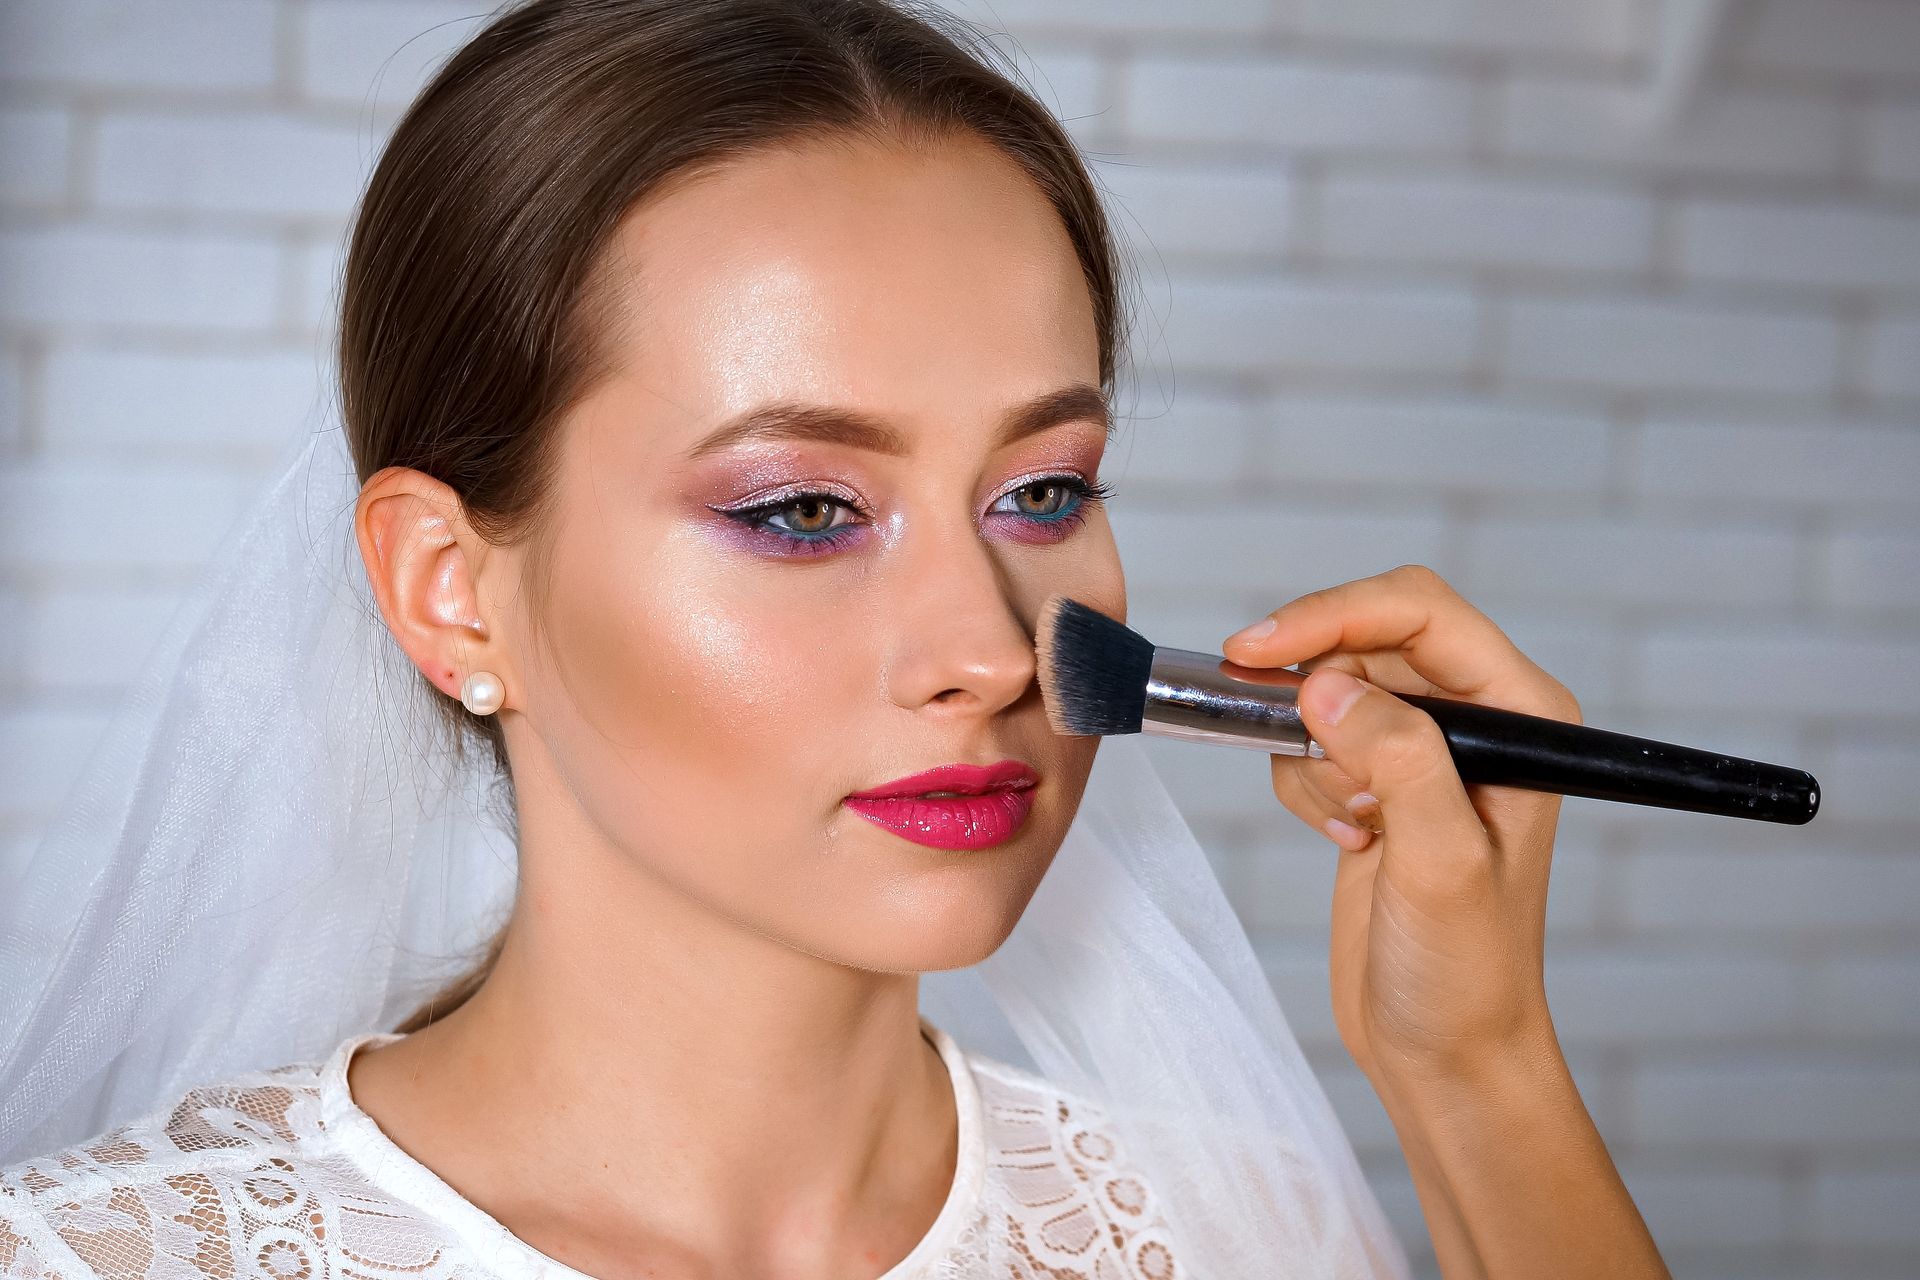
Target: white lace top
[[279, 1174]]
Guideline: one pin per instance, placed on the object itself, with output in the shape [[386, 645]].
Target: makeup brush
[[1099, 676]]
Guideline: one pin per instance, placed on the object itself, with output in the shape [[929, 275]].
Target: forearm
[[1518, 1161], [1452, 1246]]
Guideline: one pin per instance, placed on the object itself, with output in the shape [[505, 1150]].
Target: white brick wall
[[1423, 283]]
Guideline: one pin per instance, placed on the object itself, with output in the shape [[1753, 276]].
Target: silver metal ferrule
[[1203, 697]]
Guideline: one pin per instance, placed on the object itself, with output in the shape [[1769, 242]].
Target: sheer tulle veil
[[277, 845]]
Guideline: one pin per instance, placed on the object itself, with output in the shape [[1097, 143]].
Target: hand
[[1439, 920]]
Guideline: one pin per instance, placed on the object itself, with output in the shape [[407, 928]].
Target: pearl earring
[[482, 693]]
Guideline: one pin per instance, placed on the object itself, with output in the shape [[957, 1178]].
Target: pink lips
[[993, 801]]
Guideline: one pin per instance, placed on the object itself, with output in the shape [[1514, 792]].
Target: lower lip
[[950, 822]]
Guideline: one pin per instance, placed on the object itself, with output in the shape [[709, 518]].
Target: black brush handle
[[1513, 749]]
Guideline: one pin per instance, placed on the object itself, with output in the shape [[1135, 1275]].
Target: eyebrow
[[830, 424]]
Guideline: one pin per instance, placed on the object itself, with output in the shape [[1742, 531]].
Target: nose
[[960, 641]]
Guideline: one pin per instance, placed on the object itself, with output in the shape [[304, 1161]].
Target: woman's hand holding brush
[[1437, 962]]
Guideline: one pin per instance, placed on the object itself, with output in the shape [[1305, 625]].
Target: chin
[[928, 923]]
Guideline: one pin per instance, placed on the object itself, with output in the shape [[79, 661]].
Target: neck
[[670, 1069]]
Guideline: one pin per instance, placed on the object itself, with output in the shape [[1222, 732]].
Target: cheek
[[680, 690]]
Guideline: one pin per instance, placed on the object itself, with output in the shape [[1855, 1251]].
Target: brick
[[1636, 561], [44, 750], [1483, 221], [1893, 357], [132, 519], [1267, 554], [1573, 890], [1832, 673], [1869, 779], [1864, 1207], [1851, 39], [35, 142], [1431, 442], [1605, 29], [159, 402], [206, 45], [1196, 440], [1574, 650], [1286, 105], [1298, 973], [232, 162], [1846, 464], [87, 276], [1124, 17], [1804, 1101], [1285, 881], [1213, 782], [1362, 1116], [1867, 997], [1875, 571], [1768, 888], [1638, 343], [318, 267], [1072, 82], [1261, 323], [1827, 245], [1603, 995], [1687, 1205], [1723, 131], [1893, 143], [93, 640], [1201, 209], [378, 54], [12, 404]]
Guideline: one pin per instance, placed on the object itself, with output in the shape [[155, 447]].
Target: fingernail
[[1336, 692], [1365, 809], [1258, 631], [1347, 837]]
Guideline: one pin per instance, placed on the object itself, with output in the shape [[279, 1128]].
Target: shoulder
[[165, 1195], [1064, 1173]]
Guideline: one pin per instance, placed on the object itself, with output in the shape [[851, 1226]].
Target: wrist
[[1525, 1055]]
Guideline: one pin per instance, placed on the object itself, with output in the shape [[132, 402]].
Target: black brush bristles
[[1092, 670]]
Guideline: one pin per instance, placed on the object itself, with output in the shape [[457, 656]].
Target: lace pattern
[[244, 1178]]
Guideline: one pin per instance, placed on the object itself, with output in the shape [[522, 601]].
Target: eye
[[1053, 497], [799, 523], [1055, 504], [806, 523]]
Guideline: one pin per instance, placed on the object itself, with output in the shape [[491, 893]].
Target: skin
[[1439, 917], [699, 1053]]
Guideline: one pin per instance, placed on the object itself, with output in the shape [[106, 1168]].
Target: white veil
[[276, 846]]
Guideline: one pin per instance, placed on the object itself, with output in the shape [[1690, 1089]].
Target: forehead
[[924, 283]]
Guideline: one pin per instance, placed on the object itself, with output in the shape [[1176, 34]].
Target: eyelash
[[757, 518]]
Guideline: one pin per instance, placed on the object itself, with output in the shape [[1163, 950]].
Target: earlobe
[[413, 540]]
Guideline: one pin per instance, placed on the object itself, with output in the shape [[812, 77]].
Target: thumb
[[1397, 752]]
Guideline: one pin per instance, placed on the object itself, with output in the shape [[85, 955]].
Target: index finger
[[1410, 608]]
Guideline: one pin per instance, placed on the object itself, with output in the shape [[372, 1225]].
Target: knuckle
[[1422, 578], [1410, 749]]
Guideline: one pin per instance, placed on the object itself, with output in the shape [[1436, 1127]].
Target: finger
[[1387, 668], [1518, 813], [1345, 795], [1410, 608], [1307, 803], [1397, 752]]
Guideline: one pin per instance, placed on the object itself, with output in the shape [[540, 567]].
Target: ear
[[424, 562]]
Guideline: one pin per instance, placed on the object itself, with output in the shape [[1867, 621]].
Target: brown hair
[[477, 295]]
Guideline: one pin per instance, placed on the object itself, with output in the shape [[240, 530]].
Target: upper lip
[[967, 779]]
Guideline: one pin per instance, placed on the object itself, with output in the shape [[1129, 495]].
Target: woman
[[727, 385]]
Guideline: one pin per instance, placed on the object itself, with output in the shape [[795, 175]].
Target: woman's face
[[740, 631]]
